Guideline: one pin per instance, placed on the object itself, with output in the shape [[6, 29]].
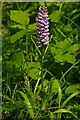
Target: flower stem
[[42, 58]]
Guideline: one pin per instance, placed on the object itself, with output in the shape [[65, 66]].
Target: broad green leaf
[[32, 26], [65, 111], [65, 58], [28, 104], [72, 88], [70, 97], [19, 16], [60, 51], [55, 16], [69, 58], [56, 51], [18, 58], [18, 26], [33, 65], [74, 48], [33, 73], [59, 58], [17, 36], [63, 45]]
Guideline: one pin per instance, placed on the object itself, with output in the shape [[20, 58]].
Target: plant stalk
[[42, 59]]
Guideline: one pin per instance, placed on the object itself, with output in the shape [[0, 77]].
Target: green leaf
[[74, 48], [44, 104], [72, 88], [65, 111], [33, 65], [63, 45], [7, 98], [55, 16], [28, 104], [33, 73], [59, 58], [19, 16], [56, 51], [56, 88], [18, 26], [60, 51], [32, 26], [69, 58], [70, 97], [18, 58], [17, 36], [45, 82]]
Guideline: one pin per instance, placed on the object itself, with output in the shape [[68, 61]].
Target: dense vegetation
[[31, 89]]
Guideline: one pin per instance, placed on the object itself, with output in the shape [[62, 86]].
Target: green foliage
[[55, 16], [47, 89], [19, 16], [28, 105], [17, 36], [72, 88]]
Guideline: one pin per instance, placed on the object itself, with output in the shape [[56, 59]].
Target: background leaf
[[55, 16], [22, 16], [17, 36]]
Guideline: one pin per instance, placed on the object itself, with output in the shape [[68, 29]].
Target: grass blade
[[70, 97], [28, 104], [65, 111]]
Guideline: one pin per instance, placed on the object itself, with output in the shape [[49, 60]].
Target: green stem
[[42, 58], [26, 45]]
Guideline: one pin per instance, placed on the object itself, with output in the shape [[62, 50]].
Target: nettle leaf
[[72, 88], [19, 16], [18, 58], [56, 15], [17, 36]]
